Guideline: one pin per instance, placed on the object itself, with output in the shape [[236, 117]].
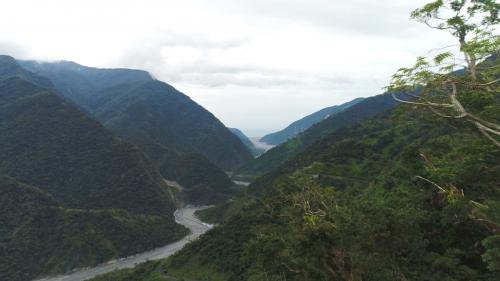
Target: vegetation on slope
[[405, 196], [202, 182], [351, 208], [49, 143], [91, 197], [181, 137], [39, 236], [167, 116], [166, 124]]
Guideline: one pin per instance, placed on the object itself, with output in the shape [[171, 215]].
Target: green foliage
[[492, 254], [50, 144], [91, 197], [446, 91], [204, 183], [222, 212], [165, 124], [181, 138], [39, 236], [350, 208], [154, 113]]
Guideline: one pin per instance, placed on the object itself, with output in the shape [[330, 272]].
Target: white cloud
[[256, 64]]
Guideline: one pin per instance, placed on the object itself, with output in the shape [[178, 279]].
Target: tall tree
[[446, 91]]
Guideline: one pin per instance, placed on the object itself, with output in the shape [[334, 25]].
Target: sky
[[257, 65]]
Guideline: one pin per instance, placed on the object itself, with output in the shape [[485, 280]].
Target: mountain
[[75, 194], [247, 142], [405, 195], [358, 112], [40, 237], [49, 143], [303, 124], [10, 68], [185, 142]]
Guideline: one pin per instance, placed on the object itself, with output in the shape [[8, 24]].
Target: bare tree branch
[[433, 183]]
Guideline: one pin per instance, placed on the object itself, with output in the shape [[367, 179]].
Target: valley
[[132, 163]]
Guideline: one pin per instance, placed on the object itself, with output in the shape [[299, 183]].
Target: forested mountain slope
[[185, 141], [305, 123], [91, 194], [50, 144], [362, 204], [39, 236], [101, 90], [272, 159]]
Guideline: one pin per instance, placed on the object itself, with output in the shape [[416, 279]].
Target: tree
[[443, 87]]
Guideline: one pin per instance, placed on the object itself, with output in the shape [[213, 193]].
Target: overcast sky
[[257, 65]]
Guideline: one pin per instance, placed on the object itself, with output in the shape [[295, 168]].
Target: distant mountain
[[166, 124], [91, 196], [247, 142], [361, 111], [303, 124]]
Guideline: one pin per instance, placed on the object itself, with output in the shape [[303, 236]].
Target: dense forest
[[40, 236], [412, 193], [355, 206], [401, 186], [73, 194], [183, 140]]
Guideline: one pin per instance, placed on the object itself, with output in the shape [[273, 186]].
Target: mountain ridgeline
[[357, 111], [305, 123], [183, 140], [72, 194], [49, 143]]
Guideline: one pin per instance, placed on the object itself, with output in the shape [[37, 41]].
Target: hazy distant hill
[[247, 142], [303, 124], [166, 124], [362, 110], [92, 196]]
